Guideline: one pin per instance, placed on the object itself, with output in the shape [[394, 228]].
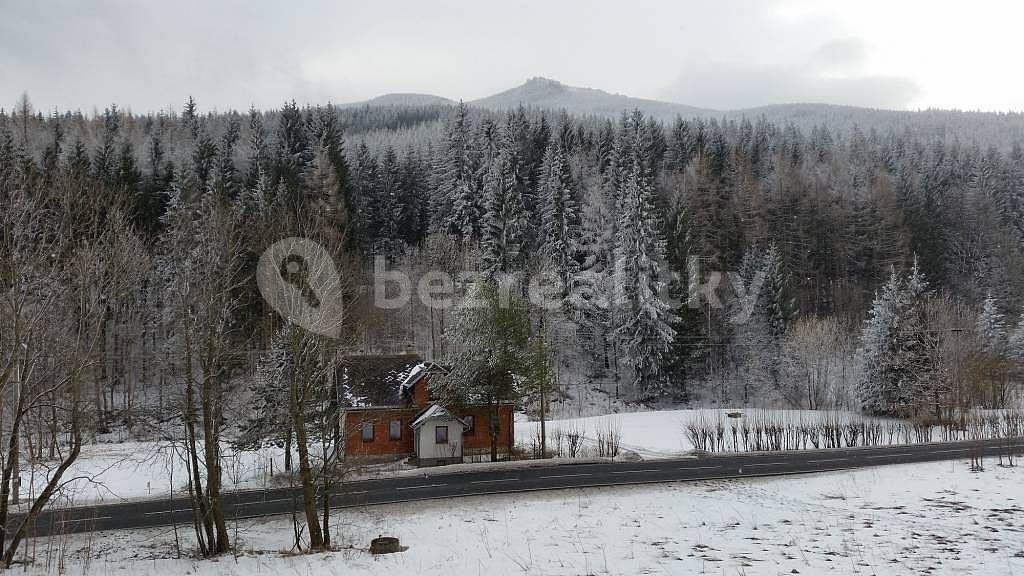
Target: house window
[[470, 425], [367, 431], [395, 430], [440, 435]]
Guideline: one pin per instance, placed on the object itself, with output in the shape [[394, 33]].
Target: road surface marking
[[419, 487], [892, 455], [950, 451], [492, 481], [635, 471], [356, 492], [700, 468], [168, 511], [767, 464], [567, 476], [827, 460], [84, 519]]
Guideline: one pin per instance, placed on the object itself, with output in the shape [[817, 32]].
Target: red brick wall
[[382, 443], [480, 438], [421, 393]]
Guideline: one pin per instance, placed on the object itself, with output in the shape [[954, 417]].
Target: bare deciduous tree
[[55, 275]]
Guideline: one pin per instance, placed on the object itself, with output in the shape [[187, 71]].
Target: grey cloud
[[232, 53], [841, 55], [829, 74]]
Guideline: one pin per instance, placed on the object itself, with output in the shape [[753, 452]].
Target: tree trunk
[[192, 453], [494, 431], [316, 537], [288, 449], [211, 453], [327, 516], [8, 472], [543, 427]]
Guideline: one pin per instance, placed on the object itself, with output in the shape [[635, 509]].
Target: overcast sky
[[148, 55]]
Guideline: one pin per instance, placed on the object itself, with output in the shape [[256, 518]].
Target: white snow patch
[[936, 518]]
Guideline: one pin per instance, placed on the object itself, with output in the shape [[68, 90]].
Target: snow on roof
[[418, 372], [414, 375], [436, 411]]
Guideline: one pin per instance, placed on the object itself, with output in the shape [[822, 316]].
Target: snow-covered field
[[936, 518], [662, 434], [128, 470]]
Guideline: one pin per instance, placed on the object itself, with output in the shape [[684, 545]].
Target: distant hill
[[404, 99], [552, 94], [987, 128]]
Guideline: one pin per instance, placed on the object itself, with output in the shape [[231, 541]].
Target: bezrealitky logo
[[297, 277]]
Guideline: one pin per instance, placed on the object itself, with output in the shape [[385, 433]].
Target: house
[[419, 427]]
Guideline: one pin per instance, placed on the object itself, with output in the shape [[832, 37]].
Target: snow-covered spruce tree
[[560, 218], [916, 343], [454, 206], [369, 200], [505, 221], [994, 358], [773, 313], [1015, 345], [560, 234], [991, 328], [878, 349], [895, 345], [390, 209], [644, 318]]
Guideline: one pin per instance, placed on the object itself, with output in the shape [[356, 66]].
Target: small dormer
[[416, 386]]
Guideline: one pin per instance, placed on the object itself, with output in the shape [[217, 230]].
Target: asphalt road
[[433, 484]]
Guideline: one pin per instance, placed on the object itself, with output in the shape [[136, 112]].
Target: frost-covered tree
[[994, 361], [645, 319], [879, 378], [895, 365], [560, 217], [1015, 346], [505, 222], [370, 212], [454, 207], [812, 357], [991, 328]]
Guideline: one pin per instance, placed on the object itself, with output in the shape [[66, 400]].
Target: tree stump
[[385, 545]]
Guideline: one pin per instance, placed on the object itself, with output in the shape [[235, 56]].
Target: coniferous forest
[[846, 261]]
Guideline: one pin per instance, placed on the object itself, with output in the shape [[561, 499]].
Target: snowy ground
[[127, 470], [661, 434], [936, 518]]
